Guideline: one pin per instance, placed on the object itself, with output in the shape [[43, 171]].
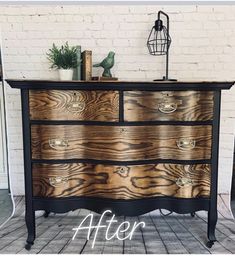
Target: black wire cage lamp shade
[[159, 42]]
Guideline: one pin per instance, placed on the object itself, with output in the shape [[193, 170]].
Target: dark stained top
[[119, 85]]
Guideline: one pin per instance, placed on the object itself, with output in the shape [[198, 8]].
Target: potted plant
[[64, 59]]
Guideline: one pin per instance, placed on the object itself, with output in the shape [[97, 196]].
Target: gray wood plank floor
[[162, 234], [5, 205]]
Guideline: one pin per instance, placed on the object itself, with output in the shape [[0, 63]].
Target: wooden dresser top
[[119, 85]]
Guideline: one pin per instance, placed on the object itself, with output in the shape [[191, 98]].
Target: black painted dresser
[[131, 147]]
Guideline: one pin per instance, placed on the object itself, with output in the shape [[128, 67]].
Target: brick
[[111, 26], [138, 17], [104, 42], [138, 9], [15, 19], [58, 9], [121, 42], [121, 9], [77, 18], [205, 8]]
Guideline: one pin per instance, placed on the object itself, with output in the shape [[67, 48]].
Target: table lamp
[[159, 42]]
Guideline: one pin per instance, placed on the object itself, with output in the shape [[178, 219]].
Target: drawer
[[121, 182], [168, 106], [74, 105], [121, 143]]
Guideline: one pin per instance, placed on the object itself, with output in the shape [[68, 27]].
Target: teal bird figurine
[[106, 64]]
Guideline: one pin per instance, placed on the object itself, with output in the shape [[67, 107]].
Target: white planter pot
[[66, 74]]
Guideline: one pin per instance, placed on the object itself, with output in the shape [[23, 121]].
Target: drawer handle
[[186, 144], [122, 130], [76, 105], [123, 171], [167, 107], [58, 143], [58, 181], [167, 94], [183, 182]]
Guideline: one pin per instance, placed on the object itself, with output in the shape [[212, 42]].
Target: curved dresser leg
[[30, 224], [28, 246], [46, 214], [212, 213], [209, 244], [212, 220], [29, 207]]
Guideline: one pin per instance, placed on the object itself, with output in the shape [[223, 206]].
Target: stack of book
[[86, 65], [84, 70]]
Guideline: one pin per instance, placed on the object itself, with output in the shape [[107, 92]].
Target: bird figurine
[[106, 64]]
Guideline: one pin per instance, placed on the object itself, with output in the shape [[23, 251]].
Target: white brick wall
[[203, 48]]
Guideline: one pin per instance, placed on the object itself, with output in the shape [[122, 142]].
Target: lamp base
[[164, 79]]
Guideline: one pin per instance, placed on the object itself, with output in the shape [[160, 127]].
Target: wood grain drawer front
[[121, 182], [74, 105], [168, 106], [125, 143]]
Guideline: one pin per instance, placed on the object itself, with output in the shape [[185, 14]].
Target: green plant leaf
[[64, 57]]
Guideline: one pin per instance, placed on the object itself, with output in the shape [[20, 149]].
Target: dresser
[[131, 147]]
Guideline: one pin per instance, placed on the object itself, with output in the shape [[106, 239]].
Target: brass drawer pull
[[122, 130], [186, 144], [183, 182], [76, 105], [58, 181], [167, 93], [123, 171], [167, 107], [58, 143]]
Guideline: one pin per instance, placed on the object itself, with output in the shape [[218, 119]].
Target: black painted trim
[[213, 214], [122, 207], [121, 107], [122, 123], [122, 85], [29, 209], [111, 162]]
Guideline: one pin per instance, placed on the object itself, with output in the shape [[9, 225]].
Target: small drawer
[[73, 105], [121, 143], [168, 106], [121, 182]]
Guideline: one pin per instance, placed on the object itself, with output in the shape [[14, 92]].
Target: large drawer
[[74, 105], [121, 143], [121, 182], [168, 106]]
